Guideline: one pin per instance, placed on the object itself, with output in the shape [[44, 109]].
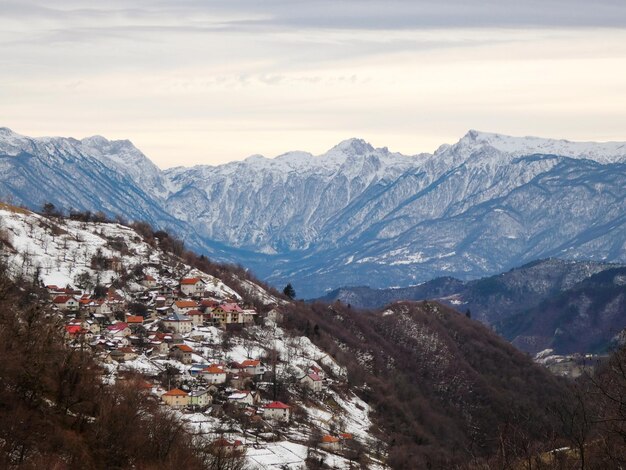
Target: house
[[244, 398], [240, 380], [313, 382], [277, 411], [223, 447], [74, 331], [313, 369], [197, 317], [128, 354], [66, 303], [248, 315], [179, 323], [176, 398], [228, 313], [182, 353], [214, 374], [134, 319], [253, 367], [200, 398], [331, 443], [149, 282], [118, 330], [192, 286], [184, 306]]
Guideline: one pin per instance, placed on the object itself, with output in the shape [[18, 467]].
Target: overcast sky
[[193, 82]]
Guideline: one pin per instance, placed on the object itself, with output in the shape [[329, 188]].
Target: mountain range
[[567, 306], [356, 215]]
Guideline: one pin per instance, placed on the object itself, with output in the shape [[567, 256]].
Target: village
[[216, 356], [177, 334]]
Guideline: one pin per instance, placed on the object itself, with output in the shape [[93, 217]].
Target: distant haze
[[209, 82]]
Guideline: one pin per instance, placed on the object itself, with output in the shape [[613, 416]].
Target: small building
[[192, 286], [128, 353], [118, 330], [200, 398], [331, 443], [66, 303], [149, 282], [197, 317], [228, 313], [184, 306], [134, 319], [313, 382], [182, 353], [248, 315], [253, 367], [179, 323], [176, 398], [277, 411], [243, 398], [224, 447], [214, 374]]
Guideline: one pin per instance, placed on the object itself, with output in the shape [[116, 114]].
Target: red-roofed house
[[197, 317], [66, 303], [182, 353], [176, 398], [134, 319], [184, 306], [276, 410], [228, 313], [214, 374], [313, 382], [149, 282], [253, 367], [330, 443], [192, 286]]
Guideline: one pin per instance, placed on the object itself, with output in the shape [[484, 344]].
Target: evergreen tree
[[289, 291]]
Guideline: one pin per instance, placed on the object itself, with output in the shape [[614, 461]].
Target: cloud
[[218, 80]]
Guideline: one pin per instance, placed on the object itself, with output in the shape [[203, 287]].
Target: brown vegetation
[[56, 411]]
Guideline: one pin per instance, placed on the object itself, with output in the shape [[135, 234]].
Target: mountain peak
[[354, 146], [603, 152]]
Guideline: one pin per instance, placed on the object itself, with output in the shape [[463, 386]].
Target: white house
[[214, 375], [192, 286], [118, 330], [243, 398], [277, 411], [253, 367], [179, 323], [184, 306], [313, 382], [66, 303]]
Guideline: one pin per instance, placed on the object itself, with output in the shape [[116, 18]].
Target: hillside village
[[222, 364]]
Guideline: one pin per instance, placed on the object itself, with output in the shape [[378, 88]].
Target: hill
[[537, 306], [415, 384], [589, 317]]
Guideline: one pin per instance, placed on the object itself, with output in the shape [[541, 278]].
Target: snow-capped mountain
[[355, 215]]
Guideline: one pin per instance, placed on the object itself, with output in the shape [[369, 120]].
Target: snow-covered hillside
[[356, 214], [138, 276]]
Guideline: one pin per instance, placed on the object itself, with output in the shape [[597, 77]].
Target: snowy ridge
[[356, 214], [606, 152]]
